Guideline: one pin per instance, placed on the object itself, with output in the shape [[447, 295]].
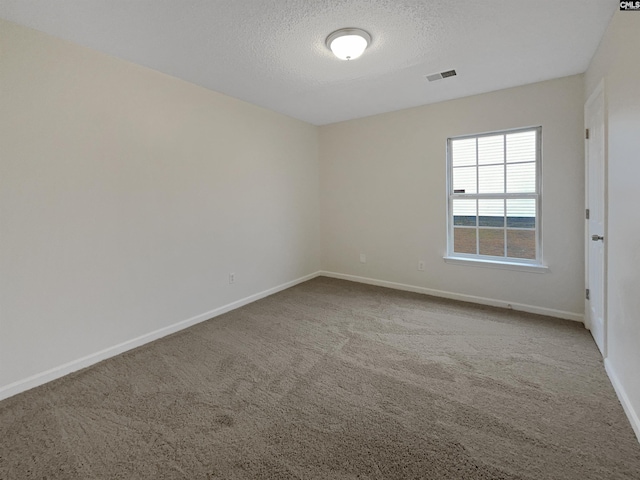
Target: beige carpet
[[334, 380]]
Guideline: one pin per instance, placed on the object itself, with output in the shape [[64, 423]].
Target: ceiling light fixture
[[348, 43]]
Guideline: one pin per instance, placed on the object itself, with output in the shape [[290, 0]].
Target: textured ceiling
[[272, 53]]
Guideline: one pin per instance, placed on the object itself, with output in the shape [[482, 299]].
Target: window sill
[[474, 262]]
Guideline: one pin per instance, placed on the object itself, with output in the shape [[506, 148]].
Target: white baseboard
[[75, 365], [577, 317], [632, 415]]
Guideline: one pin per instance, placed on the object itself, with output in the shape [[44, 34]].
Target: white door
[[595, 227]]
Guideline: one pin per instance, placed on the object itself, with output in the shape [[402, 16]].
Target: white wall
[[617, 62], [126, 198], [383, 194]]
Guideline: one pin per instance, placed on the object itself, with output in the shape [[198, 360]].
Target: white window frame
[[535, 265]]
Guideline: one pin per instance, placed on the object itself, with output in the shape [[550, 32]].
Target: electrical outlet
[[421, 265], [363, 258], [232, 278]]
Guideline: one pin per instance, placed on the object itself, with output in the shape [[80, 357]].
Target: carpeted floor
[[334, 380]]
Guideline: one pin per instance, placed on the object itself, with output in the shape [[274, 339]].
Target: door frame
[[587, 310]]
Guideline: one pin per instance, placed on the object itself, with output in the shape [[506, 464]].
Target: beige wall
[[616, 61], [383, 194], [127, 197]]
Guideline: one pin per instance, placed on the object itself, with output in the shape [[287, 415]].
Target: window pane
[[463, 152], [495, 196], [521, 213], [491, 179], [491, 150], [491, 241], [521, 178], [464, 240], [491, 212], [521, 147], [464, 180], [464, 212], [521, 244]]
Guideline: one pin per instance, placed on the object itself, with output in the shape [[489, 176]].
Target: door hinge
[[587, 294], [587, 213], [586, 133]]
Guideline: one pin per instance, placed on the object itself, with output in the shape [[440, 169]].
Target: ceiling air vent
[[439, 76]]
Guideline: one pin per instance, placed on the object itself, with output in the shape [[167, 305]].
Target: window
[[494, 197]]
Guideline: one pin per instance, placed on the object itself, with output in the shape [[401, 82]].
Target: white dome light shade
[[348, 43]]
